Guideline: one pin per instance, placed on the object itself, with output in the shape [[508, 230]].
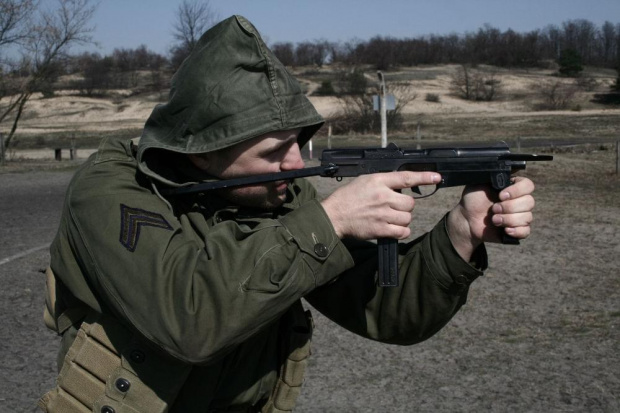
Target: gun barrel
[[526, 157]]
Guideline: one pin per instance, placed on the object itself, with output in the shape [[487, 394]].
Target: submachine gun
[[491, 165]]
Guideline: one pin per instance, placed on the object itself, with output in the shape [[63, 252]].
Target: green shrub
[[570, 63], [432, 97], [326, 89]]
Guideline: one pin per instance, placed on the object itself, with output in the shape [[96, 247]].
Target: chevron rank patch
[[132, 221]]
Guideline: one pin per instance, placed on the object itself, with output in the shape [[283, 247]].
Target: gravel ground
[[540, 331]]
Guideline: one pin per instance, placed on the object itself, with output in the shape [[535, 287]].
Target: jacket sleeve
[[434, 282], [194, 291]]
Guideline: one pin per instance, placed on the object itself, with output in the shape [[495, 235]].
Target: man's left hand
[[481, 217]]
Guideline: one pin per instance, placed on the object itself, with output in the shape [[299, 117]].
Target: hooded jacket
[[207, 283], [230, 89]]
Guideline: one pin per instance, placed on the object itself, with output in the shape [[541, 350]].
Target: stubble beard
[[266, 197]]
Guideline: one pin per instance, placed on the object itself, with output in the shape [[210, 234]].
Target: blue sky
[[131, 23]]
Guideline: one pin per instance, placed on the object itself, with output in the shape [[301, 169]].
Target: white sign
[[390, 102]]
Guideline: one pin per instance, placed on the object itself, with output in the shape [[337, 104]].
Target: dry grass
[[511, 116]]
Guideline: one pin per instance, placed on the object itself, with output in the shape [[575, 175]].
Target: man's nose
[[292, 159]]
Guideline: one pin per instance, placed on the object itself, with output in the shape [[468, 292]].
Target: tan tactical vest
[[109, 369]]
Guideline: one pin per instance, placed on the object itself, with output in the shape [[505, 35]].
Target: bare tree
[[358, 115], [607, 40], [285, 52], [14, 17], [404, 93], [473, 85], [193, 18], [556, 95], [462, 83], [50, 36], [96, 71]]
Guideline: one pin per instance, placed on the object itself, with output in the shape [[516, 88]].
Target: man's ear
[[200, 161]]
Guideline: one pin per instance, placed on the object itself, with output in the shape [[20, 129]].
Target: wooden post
[[72, 150], [58, 154], [419, 138], [1, 149], [617, 157], [519, 144]]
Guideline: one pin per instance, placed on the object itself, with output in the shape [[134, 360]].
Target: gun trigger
[[416, 189]]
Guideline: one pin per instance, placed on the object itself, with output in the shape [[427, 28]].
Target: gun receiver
[[458, 166]]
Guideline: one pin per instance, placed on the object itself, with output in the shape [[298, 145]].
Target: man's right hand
[[370, 207]]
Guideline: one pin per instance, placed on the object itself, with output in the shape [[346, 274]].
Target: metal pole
[[383, 109], [329, 137]]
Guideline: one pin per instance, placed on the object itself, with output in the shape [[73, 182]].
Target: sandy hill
[[70, 113]]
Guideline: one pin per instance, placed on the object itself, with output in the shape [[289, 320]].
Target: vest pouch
[[297, 332], [109, 369]]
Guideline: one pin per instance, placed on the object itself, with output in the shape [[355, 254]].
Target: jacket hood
[[229, 89]]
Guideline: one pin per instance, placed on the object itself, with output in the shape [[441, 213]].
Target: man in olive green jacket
[[192, 303]]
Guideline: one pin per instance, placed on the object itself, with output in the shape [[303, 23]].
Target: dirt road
[[540, 331]]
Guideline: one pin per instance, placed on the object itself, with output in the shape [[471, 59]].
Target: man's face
[[268, 153]]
